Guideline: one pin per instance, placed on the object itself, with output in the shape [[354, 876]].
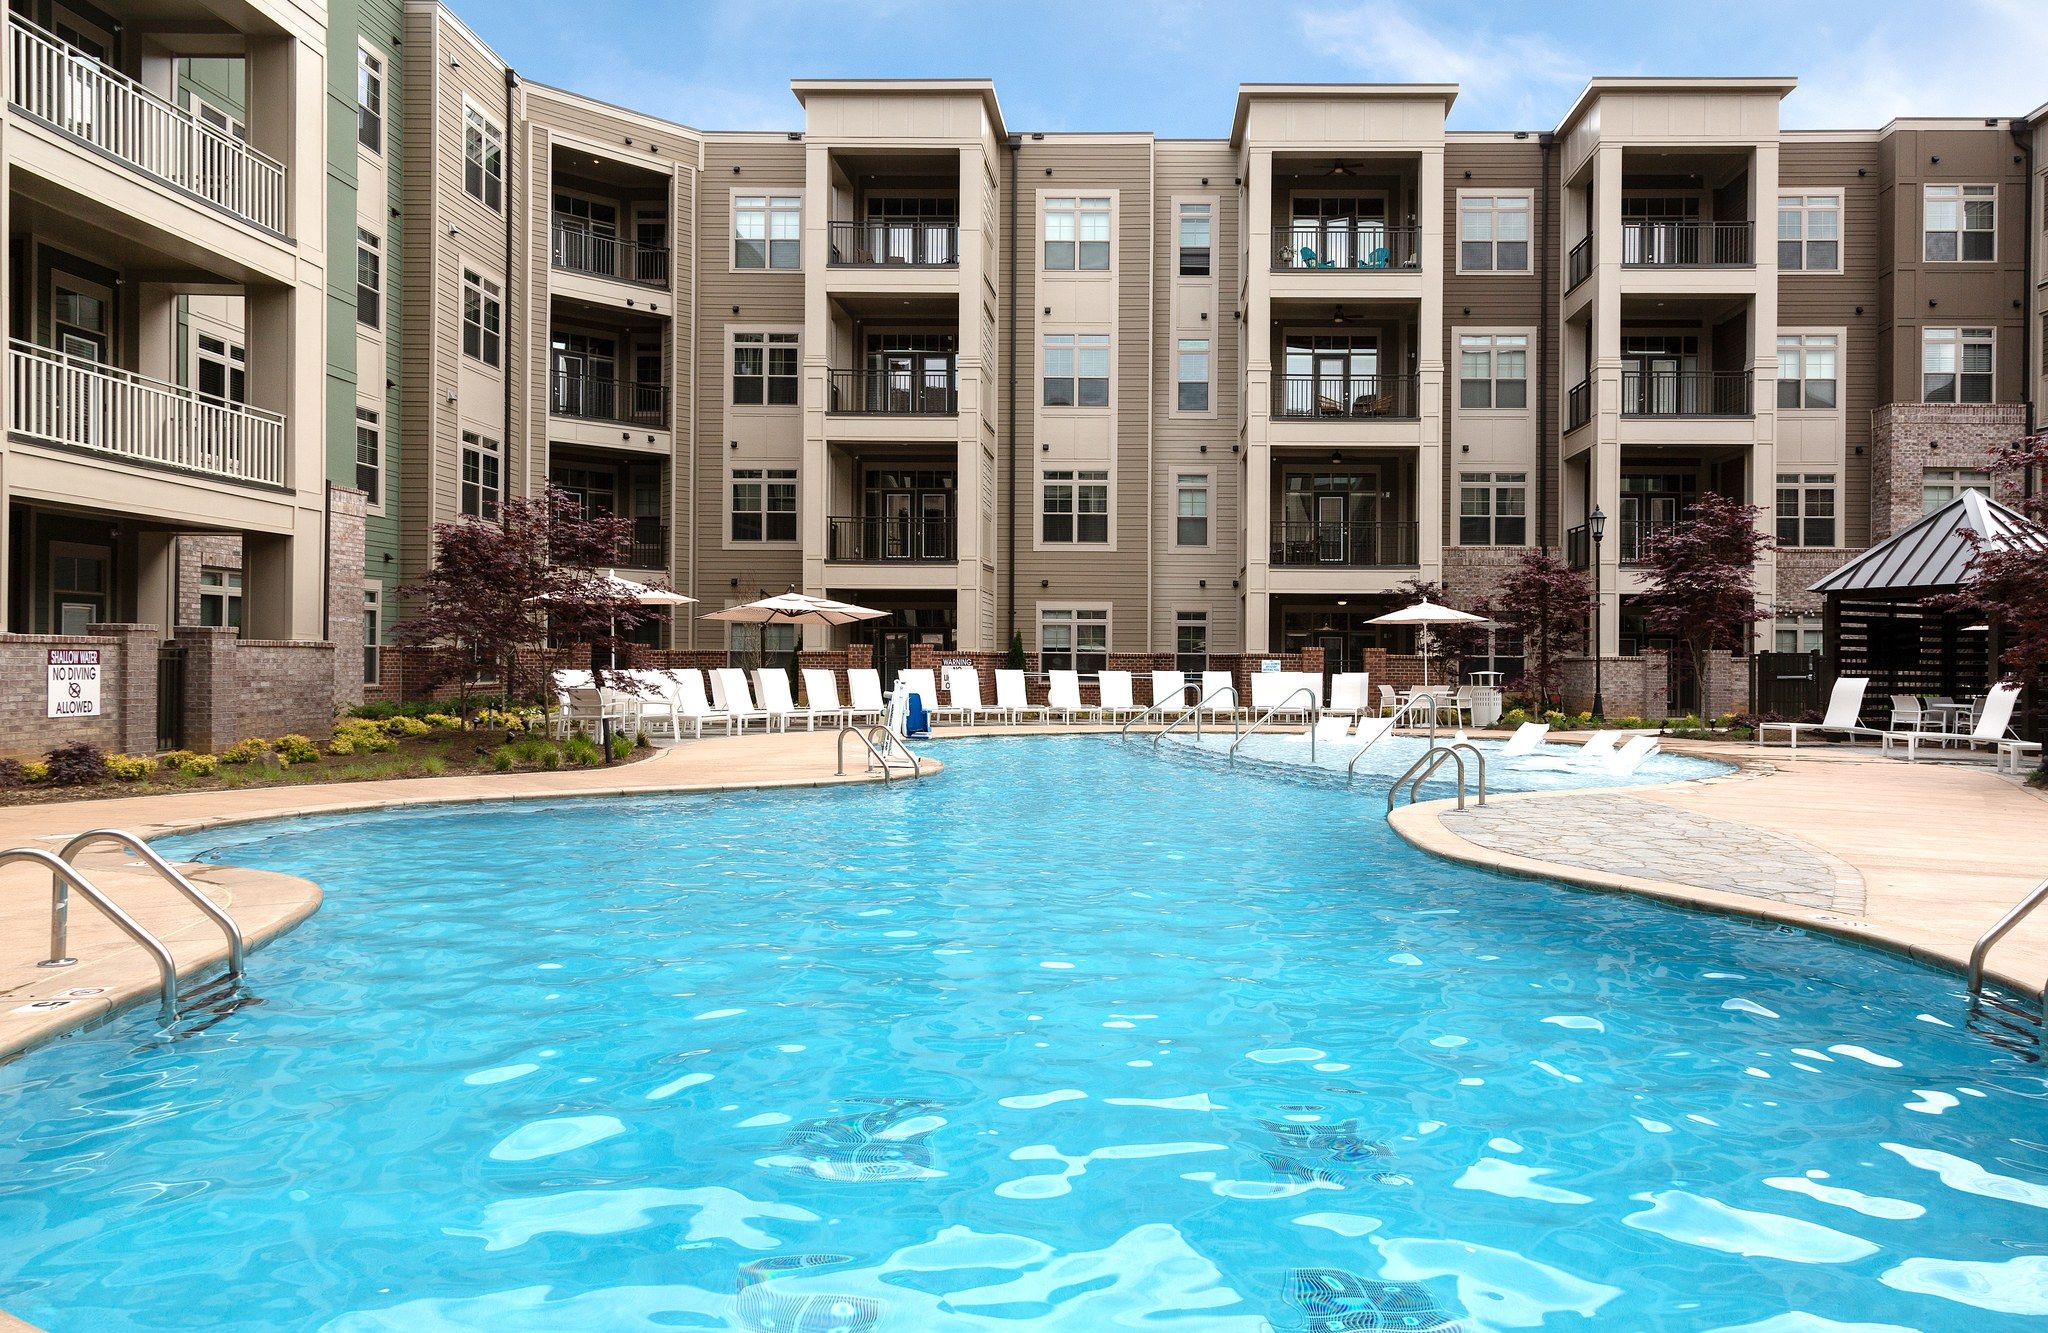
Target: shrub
[[622, 746], [502, 759], [297, 749], [582, 750], [433, 765], [1554, 718], [443, 721], [35, 770], [200, 766], [130, 767], [359, 736], [552, 759], [11, 773], [406, 726], [1514, 717], [245, 751], [75, 765]]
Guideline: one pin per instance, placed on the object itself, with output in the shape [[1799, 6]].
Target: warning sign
[[74, 682]]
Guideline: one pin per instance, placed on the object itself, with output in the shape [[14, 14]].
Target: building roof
[[985, 89], [1936, 551], [1247, 93], [1643, 83]]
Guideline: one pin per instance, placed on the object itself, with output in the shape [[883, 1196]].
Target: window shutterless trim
[[1494, 240], [1180, 476], [1804, 201]]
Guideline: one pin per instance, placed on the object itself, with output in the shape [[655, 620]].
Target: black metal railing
[[1634, 537], [578, 249], [879, 538], [648, 548], [907, 244], [1685, 393], [1366, 248], [1686, 244], [625, 401], [1579, 264], [1578, 405], [1358, 545], [898, 393], [1578, 547], [1345, 397]]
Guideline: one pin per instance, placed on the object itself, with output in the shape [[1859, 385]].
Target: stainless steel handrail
[[2002, 927], [1407, 706], [64, 872], [1315, 712], [878, 753], [1425, 768], [890, 740], [1236, 722], [60, 914]]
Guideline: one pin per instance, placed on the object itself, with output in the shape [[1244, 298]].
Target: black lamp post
[[1597, 522]]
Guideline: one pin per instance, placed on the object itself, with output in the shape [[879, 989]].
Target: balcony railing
[[1685, 244], [1361, 545], [1685, 393], [579, 249], [624, 401], [69, 90], [1364, 248], [1578, 548], [1635, 537], [81, 404], [1578, 405], [1579, 264], [894, 244], [648, 549], [895, 393], [1345, 397], [881, 539]]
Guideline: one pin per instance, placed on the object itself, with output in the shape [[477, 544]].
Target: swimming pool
[[1077, 1036]]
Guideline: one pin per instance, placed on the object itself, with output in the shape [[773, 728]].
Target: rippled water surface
[[1079, 1036]]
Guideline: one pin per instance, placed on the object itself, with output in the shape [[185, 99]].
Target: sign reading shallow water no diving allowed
[[74, 682]]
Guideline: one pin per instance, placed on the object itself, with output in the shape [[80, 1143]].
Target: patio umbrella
[[795, 608], [643, 593], [1424, 614]]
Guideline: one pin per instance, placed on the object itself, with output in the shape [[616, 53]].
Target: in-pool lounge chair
[[963, 686], [1118, 701], [1845, 705], [1013, 698], [821, 692], [1629, 757], [1528, 739], [1064, 698], [865, 685], [1991, 726], [1599, 747]]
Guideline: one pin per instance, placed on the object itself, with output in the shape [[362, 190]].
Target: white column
[[1258, 397]]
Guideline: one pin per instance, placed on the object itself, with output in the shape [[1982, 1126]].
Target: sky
[[1173, 66]]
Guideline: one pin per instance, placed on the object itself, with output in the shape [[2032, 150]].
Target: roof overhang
[[985, 89], [1595, 88], [1247, 93]]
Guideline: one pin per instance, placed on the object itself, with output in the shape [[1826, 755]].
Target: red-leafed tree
[[1546, 601], [1702, 589], [1452, 643], [2007, 581], [497, 587]]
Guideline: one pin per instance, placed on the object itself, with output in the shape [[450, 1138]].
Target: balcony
[[580, 249], [80, 404], [1345, 397], [881, 539], [622, 401], [932, 392], [1636, 536], [1578, 548], [1685, 393], [1365, 248], [71, 92], [648, 548], [894, 244], [1311, 545], [1578, 405], [1579, 264], [1687, 244]]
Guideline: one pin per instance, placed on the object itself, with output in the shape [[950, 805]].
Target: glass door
[[896, 525]]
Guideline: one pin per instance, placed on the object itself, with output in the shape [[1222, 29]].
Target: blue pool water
[[1078, 1036]]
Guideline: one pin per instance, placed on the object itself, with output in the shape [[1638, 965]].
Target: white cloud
[[1980, 58], [1506, 74]]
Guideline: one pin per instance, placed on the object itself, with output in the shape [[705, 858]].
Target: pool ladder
[[1314, 714], [2030, 1023], [1433, 759], [66, 878], [880, 743]]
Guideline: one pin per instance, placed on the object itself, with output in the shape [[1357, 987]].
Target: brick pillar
[[128, 691], [346, 508], [211, 710]]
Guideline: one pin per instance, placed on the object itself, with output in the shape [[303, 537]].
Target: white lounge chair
[[821, 692], [1598, 748], [1370, 729], [865, 685], [1351, 693], [1170, 694], [1113, 688], [693, 705], [1528, 739], [776, 701], [1278, 692], [1990, 729], [963, 685], [559, 685], [729, 687], [1629, 757], [657, 699], [1845, 705], [923, 682], [1332, 727], [1013, 698], [1064, 695], [1214, 703]]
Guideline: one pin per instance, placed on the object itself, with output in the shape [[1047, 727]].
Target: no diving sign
[[74, 682]]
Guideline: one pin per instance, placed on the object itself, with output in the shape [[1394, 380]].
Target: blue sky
[[1172, 66]]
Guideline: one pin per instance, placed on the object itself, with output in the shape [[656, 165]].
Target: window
[[370, 456], [1077, 234], [1191, 642], [1940, 485], [1191, 509], [373, 635], [1810, 233], [1194, 241], [1806, 509], [482, 471], [1493, 508], [1076, 507], [1797, 634], [223, 373], [219, 121], [481, 315], [749, 645], [483, 158], [1073, 641], [1955, 365], [764, 504], [220, 597], [1191, 375], [1077, 370], [369, 279], [1493, 233], [767, 231], [1493, 370], [1959, 222], [370, 100], [1806, 370], [764, 369]]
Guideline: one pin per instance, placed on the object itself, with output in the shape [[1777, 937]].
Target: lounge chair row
[[665, 702], [1911, 725]]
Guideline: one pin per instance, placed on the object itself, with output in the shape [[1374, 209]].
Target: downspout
[[2023, 139], [511, 268], [1016, 143], [1543, 351]]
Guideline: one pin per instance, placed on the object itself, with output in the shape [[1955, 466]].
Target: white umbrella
[[795, 608], [643, 593], [1426, 613]]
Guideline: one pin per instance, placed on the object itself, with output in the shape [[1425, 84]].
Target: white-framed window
[[373, 634], [1074, 506], [370, 456], [483, 158], [1493, 370], [483, 473], [1955, 365], [1193, 238], [369, 279], [370, 99], [1191, 643], [746, 645], [763, 504], [1493, 508], [767, 231], [1806, 509], [221, 371], [1191, 508], [764, 369], [1191, 375], [1077, 370], [220, 121], [1810, 233], [1940, 485], [1808, 367], [1073, 639], [1493, 233], [1797, 634], [220, 597], [1077, 233], [1961, 222], [482, 318]]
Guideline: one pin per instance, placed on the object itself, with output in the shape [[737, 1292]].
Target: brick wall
[[346, 508], [199, 551], [1640, 686], [237, 688], [1908, 438], [1799, 569], [127, 716]]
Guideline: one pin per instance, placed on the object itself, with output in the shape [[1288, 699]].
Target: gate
[[1786, 685], [170, 696]]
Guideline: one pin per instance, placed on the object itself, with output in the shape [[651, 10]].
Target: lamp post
[[1597, 522]]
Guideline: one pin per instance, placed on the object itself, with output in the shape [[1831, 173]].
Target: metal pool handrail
[[1998, 931], [1407, 706], [878, 753], [60, 915], [1434, 759], [1236, 722], [63, 872], [1315, 712]]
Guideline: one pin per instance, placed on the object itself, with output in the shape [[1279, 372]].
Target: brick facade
[[1909, 438], [1640, 686], [127, 717], [238, 688], [345, 511]]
